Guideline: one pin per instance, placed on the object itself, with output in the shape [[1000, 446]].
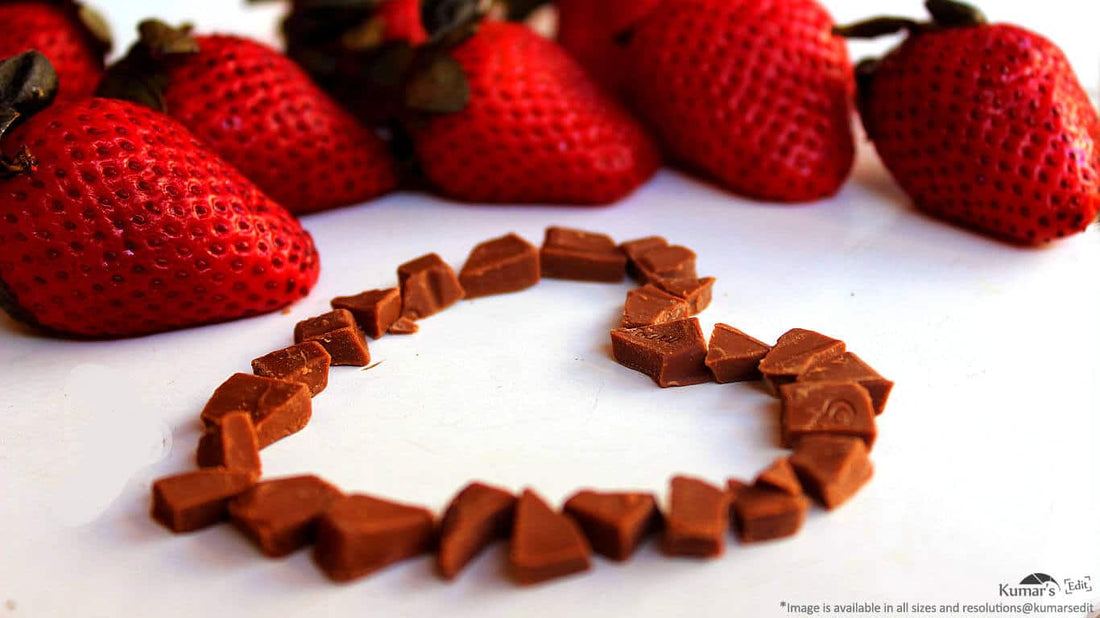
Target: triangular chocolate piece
[[476, 517], [499, 266], [697, 292], [648, 305], [281, 515], [545, 544], [833, 468], [733, 356], [615, 523], [359, 534], [780, 475], [796, 351]]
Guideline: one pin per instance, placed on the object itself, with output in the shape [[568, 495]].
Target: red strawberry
[[401, 21], [754, 93], [983, 125], [261, 113], [72, 36], [116, 221], [595, 33]]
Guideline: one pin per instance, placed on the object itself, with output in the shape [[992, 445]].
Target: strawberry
[[595, 33], [400, 21], [71, 35], [983, 125], [753, 93], [260, 112], [116, 221]]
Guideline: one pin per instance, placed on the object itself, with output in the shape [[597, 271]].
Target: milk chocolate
[[697, 519], [195, 500], [358, 535], [339, 334], [672, 353], [404, 326], [499, 266], [648, 305], [615, 523], [733, 356], [428, 286], [850, 368], [763, 513], [671, 262], [633, 249], [306, 362], [581, 256], [281, 515], [374, 310], [232, 445], [477, 516], [780, 475], [734, 487], [545, 544], [839, 408], [832, 468], [697, 292], [796, 351], [278, 408]]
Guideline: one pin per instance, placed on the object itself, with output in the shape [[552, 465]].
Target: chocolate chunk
[[374, 310], [615, 523], [545, 544], [697, 292], [428, 286], [780, 475], [851, 368], [305, 362], [281, 515], [498, 266], [733, 356], [360, 534], [404, 326], [697, 519], [734, 487], [232, 445], [672, 353], [278, 408], [634, 250], [673, 262], [477, 516], [841, 408], [649, 305], [796, 351], [832, 468], [764, 514], [581, 256], [339, 334], [195, 500]]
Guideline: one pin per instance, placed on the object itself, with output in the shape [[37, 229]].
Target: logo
[[1034, 585]]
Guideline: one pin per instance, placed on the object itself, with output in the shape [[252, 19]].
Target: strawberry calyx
[[141, 76], [28, 84]]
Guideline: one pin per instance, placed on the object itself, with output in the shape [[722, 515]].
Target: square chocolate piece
[[648, 305], [697, 292], [672, 353], [545, 544], [832, 468], [340, 336], [499, 266], [697, 519], [278, 408], [305, 362], [764, 513], [733, 356], [796, 351], [634, 250], [428, 286], [615, 523], [851, 368], [581, 256], [374, 310], [838, 408], [195, 500]]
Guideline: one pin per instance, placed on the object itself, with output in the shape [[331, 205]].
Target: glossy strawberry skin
[[755, 94], [537, 129], [402, 21], [130, 226], [590, 31], [53, 31], [262, 113], [988, 128]]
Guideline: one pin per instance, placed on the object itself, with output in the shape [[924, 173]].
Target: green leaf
[[439, 89]]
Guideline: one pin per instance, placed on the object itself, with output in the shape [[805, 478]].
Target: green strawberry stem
[[945, 14], [140, 77], [28, 84]]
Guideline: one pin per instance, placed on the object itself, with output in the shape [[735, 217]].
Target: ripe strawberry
[[72, 36], [754, 93], [116, 221], [983, 125], [261, 113], [400, 21], [595, 33]]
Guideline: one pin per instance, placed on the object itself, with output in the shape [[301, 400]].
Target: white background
[[986, 468]]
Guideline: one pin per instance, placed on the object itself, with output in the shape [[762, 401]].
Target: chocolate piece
[[832, 468], [278, 408], [195, 500], [796, 351], [428, 286], [498, 266], [581, 256], [851, 368], [305, 362], [281, 515], [842, 408], [634, 250], [780, 475], [734, 487], [697, 519], [231, 445], [359, 534], [615, 523], [674, 262], [649, 305], [763, 514], [339, 334], [404, 326], [476, 517], [671, 353], [545, 544], [374, 310], [697, 292], [733, 356]]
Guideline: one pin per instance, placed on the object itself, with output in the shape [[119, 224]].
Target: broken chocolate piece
[[581, 256], [339, 334], [851, 368], [697, 292], [195, 500], [545, 544], [281, 515], [734, 487], [764, 514], [477, 516], [634, 250], [499, 266], [733, 356], [648, 305], [278, 408], [615, 523], [832, 468], [374, 310], [796, 351], [780, 475], [231, 445], [672, 262], [672, 353], [697, 519], [404, 326], [357, 535], [428, 286], [841, 408], [306, 362]]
